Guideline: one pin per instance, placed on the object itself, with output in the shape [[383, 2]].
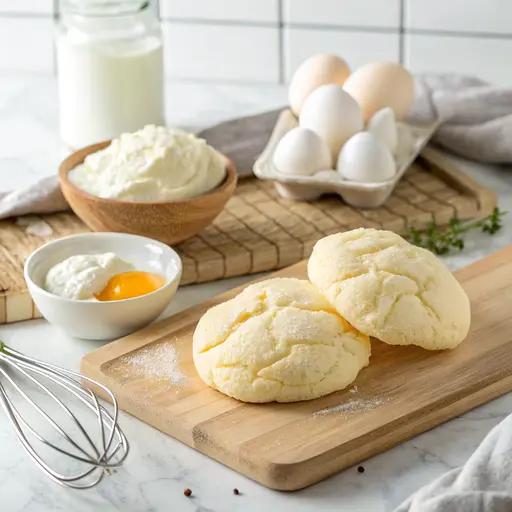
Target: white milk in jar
[[110, 69]]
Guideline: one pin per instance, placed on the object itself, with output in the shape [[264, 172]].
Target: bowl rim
[[37, 253], [80, 155]]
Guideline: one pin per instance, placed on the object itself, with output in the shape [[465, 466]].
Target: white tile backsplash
[[265, 40], [487, 16], [356, 47], [362, 13], [221, 52], [225, 10], [27, 44], [486, 58]]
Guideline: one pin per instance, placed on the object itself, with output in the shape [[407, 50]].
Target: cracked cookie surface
[[278, 340], [390, 289]]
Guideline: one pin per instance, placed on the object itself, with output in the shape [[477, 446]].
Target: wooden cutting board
[[403, 392], [259, 231]]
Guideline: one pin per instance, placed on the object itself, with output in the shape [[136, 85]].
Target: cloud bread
[[390, 289], [278, 340]]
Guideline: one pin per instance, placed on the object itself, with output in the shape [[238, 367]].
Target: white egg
[[366, 159], [383, 125], [302, 151], [333, 114]]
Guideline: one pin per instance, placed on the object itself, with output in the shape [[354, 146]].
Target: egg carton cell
[[411, 140]]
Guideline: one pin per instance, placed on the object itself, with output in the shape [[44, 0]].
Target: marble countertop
[[159, 468]]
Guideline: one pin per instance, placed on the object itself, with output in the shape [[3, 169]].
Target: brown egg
[[318, 70], [379, 85]]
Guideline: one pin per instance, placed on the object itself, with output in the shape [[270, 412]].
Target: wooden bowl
[[170, 222]]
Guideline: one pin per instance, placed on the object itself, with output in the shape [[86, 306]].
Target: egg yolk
[[130, 284]]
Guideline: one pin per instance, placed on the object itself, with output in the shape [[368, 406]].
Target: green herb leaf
[[443, 241]]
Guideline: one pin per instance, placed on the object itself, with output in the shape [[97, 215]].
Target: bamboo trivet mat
[[259, 231]]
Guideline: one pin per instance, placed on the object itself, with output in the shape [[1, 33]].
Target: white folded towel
[[483, 484]]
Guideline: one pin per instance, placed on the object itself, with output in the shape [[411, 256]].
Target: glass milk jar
[[110, 69]]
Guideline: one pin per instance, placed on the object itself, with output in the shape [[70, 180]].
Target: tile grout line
[[455, 33], [26, 15], [281, 50], [56, 17], [280, 25], [401, 41], [221, 22]]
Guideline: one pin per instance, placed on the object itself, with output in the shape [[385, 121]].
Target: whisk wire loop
[[109, 452]]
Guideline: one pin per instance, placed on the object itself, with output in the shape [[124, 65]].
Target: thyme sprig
[[443, 241]]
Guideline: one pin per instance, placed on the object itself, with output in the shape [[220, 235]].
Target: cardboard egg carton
[[361, 195]]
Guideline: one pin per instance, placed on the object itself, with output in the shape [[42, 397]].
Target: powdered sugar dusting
[[352, 406], [158, 362]]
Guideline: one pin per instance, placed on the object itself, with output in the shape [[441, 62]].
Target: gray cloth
[[243, 140], [42, 196], [483, 484], [476, 117], [477, 124]]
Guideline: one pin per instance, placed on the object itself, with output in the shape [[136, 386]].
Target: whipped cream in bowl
[[151, 165], [159, 182]]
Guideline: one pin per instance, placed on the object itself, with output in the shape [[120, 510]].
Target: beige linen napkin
[[476, 117], [477, 124]]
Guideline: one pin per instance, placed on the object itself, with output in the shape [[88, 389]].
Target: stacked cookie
[[288, 339]]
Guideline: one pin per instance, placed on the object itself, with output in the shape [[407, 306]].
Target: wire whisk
[[94, 453]]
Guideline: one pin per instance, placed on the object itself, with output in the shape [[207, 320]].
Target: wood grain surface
[[259, 231], [403, 392]]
